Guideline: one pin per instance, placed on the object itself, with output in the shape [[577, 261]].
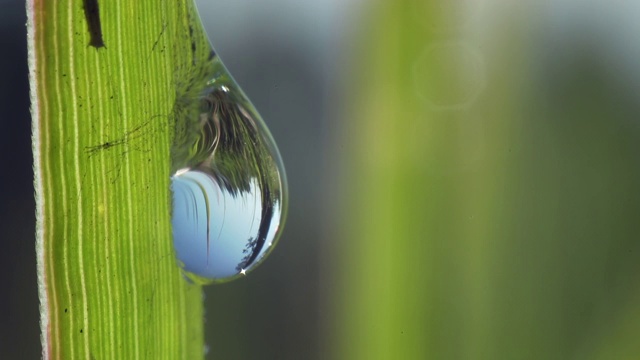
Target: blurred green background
[[464, 180]]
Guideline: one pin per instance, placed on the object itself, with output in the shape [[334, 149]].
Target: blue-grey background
[[19, 330], [283, 54]]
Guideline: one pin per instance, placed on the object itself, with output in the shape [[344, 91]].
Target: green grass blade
[[103, 125]]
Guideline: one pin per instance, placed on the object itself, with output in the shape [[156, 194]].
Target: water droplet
[[229, 187]]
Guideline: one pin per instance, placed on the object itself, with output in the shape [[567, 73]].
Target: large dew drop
[[229, 187]]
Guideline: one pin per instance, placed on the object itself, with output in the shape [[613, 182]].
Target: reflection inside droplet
[[217, 234], [229, 187]]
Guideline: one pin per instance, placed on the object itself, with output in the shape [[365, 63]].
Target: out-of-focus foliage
[[490, 193]]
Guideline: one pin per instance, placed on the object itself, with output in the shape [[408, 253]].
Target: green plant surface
[[501, 228], [104, 119]]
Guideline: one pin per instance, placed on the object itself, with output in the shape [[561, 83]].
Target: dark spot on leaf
[[92, 14]]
